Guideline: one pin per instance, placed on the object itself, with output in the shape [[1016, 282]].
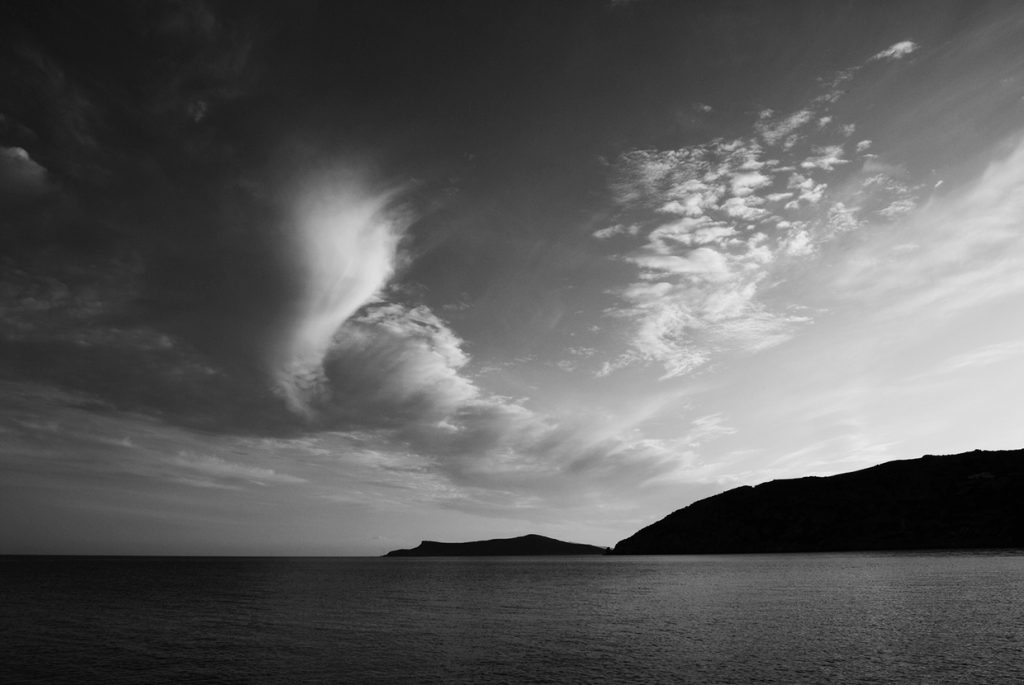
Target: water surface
[[855, 618]]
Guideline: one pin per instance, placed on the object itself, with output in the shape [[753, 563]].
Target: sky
[[327, 278]]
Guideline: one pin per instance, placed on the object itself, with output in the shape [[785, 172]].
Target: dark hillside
[[526, 545], [969, 500]]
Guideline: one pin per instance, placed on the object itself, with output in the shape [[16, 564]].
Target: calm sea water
[[854, 618]]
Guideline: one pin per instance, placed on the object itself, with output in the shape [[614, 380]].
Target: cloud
[[898, 208], [896, 51], [715, 234], [702, 261], [612, 231], [746, 205], [345, 242], [798, 244], [742, 208], [836, 87], [689, 306], [825, 157], [691, 300], [774, 130], [20, 175], [983, 356], [258, 313], [152, 272], [744, 184], [205, 470], [841, 218], [496, 451], [658, 176], [668, 238], [810, 191], [394, 363], [488, 454], [959, 250]]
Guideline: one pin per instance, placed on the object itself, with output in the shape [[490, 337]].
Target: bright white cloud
[[826, 157], [798, 244], [896, 51], [746, 183], [809, 190], [345, 243]]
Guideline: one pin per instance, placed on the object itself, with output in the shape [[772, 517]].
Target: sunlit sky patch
[[330, 278]]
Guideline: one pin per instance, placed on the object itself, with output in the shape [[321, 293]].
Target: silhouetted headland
[[525, 545], [959, 501]]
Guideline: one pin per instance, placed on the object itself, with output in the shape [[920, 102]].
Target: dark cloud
[[153, 265]]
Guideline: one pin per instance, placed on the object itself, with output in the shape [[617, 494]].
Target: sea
[[911, 617]]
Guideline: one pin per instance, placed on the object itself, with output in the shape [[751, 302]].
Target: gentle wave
[[854, 618]]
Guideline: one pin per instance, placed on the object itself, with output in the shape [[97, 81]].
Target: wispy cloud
[[777, 130], [982, 356], [746, 207], [207, 469], [612, 231], [957, 251]]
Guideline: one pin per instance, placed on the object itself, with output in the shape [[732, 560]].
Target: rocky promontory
[[971, 500]]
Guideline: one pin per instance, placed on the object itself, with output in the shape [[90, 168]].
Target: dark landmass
[[959, 501], [526, 545]]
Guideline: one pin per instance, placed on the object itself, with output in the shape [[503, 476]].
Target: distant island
[[525, 545], [971, 500]]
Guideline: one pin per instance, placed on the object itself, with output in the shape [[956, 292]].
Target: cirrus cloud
[[748, 207]]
